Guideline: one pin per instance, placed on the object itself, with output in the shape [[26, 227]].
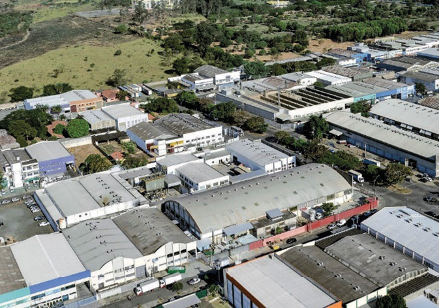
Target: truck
[[147, 286], [170, 279], [370, 161], [357, 176]]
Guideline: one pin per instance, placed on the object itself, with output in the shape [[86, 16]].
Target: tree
[[130, 147], [224, 111], [277, 69], [118, 52], [240, 117], [56, 88], [22, 141], [122, 95], [391, 301], [77, 128], [21, 93], [134, 162], [318, 84], [122, 29], [56, 109], [22, 128], [420, 88], [59, 129], [118, 78], [255, 69], [281, 136], [95, 163], [204, 36], [140, 12], [372, 172], [161, 105], [256, 125], [315, 151], [362, 107], [187, 99], [396, 173], [177, 286], [315, 127], [181, 65], [328, 207]]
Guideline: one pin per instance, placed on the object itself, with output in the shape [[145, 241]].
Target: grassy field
[[44, 13], [87, 67]]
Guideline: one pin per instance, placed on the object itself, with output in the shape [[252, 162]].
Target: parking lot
[[18, 221]]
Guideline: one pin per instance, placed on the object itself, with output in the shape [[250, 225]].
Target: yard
[[114, 146], [82, 152]]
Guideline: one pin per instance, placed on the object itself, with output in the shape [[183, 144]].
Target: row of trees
[[22, 93], [14, 22]]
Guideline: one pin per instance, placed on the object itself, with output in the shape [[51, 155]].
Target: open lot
[[19, 222], [82, 152]]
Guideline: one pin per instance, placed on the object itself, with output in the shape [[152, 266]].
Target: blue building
[[391, 89], [52, 156]]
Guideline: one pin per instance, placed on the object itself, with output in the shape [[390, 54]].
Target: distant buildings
[[328, 79], [72, 101], [429, 77], [431, 53]]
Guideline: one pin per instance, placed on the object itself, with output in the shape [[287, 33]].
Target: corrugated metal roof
[[409, 228], [47, 150], [238, 228]]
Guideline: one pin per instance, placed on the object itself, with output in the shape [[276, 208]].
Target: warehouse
[[268, 281], [98, 120], [220, 76], [394, 89], [174, 133], [36, 274], [53, 158], [329, 79], [355, 73], [391, 142], [259, 156], [72, 101], [408, 231], [207, 214], [268, 84], [431, 53], [199, 176], [358, 90], [125, 115], [429, 80], [408, 116], [71, 201]]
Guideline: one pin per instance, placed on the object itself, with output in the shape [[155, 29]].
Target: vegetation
[[21, 93], [396, 173], [177, 286], [130, 147], [361, 107], [59, 129], [316, 127], [161, 105], [391, 301], [118, 78], [36, 119], [95, 163], [256, 125], [14, 22], [133, 162], [420, 88], [56, 88], [77, 128], [122, 95], [341, 159], [328, 207]]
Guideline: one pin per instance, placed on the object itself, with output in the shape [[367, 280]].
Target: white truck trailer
[[147, 286], [357, 176], [170, 279]]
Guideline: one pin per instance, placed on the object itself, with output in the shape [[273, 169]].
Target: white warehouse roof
[[45, 257], [411, 229]]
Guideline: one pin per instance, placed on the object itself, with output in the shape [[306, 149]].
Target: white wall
[[318, 109], [228, 77], [204, 137], [124, 123]]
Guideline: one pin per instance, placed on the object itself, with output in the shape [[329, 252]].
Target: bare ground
[[82, 152]]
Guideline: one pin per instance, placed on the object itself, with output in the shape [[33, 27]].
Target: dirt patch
[[323, 45], [58, 33], [82, 152], [399, 189]]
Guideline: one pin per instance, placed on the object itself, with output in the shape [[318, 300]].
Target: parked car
[[373, 211], [341, 223], [44, 223], [432, 214], [38, 218], [332, 226], [368, 213], [430, 199], [6, 201], [35, 210], [194, 281], [3, 191], [291, 240], [15, 199], [1, 223]]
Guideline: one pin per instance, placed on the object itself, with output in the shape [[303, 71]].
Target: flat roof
[[95, 116], [362, 253], [180, 124], [275, 284], [305, 259], [121, 111], [199, 172], [45, 257], [209, 71], [47, 150], [356, 88], [97, 242], [327, 76], [258, 152], [147, 131], [384, 83], [134, 173], [409, 228], [431, 52], [149, 229], [421, 76], [10, 275], [432, 102], [238, 203], [347, 71], [390, 135], [408, 113], [14, 155], [62, 99], [176, 159]]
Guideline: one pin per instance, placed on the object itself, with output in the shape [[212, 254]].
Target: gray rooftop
[[255, 151], [11, 278], [149, 229], [47, 150], [421, 76], [362, 253], [296, 76], [268, 84], [199, 172], [408, 113], [134, 173], [121, 111], [409, 228], [275, 284], [238, 203], [176, 159], [209, 71], [305, 259], [14, 156], [95, 116], [147, 131], [383, 83], [97, 242], [432, 102], [62, 99], [431, 52], [180, 124], [377, 130], [356, 88], [348, 71], [45, 257]]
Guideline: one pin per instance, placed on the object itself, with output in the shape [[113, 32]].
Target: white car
[[319, 215], [44, 223], [341, 223], [194, 281]]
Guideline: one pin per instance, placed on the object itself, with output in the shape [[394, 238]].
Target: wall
[[366, 299], [76, 142], [55, 166], [320, 108]]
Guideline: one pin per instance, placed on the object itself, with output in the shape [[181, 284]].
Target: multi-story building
[[19, 167]]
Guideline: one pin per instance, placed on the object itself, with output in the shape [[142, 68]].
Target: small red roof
[[117, 156]]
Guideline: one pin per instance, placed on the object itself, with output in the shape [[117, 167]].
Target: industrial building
[[288, 105], [407, 231], [98, 120], [19, 168], [174, 133], [431, 102], [355, 73], [209, 214], [125, 115], [429, 77], [268, 84], [329, 79], [72, 101], [42, 271], [390, 142], [408, 116], [404, 64], [345, 54], [269, 281], [353, 266], [52, 157], [220, 76], [300, 78], [358, 90], [394, 89], [431, 53], [259, 156], [71, 201]]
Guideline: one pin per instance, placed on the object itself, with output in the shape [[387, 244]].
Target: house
[[109, 95]]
